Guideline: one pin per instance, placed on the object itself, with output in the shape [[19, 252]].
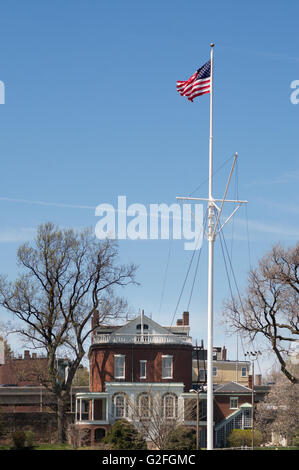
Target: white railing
[[137, 339]]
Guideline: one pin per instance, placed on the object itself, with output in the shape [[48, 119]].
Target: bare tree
[[155, 415], [270, 306], [66, 276], [279, 412], [152, 420]]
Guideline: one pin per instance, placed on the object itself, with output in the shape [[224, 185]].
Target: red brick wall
[[222, 405], [102, 364], [23, 371]]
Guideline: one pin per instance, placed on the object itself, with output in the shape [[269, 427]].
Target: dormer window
[[138, 327]]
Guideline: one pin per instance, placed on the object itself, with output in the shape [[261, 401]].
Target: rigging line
[[165, 275], [186, 277], [213, 174], [232, 270], [198, 259], [233, 274], [184, 283], [248, 241], [236, 194]]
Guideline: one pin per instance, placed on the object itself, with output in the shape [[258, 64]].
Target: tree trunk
[[61, 416]]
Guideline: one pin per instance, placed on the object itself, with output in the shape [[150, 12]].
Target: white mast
[[211, 238], [211, 235]]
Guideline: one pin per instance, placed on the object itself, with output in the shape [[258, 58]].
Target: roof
[[232, 387]]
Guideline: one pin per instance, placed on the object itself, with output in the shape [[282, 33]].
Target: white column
[[107, 410]]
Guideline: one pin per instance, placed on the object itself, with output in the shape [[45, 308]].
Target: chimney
[[179, 322], [224, 351], [249, 381], [26, 354], [258, 379], [186, 318]]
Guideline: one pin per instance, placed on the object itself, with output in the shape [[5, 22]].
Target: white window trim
[[216, 370], [167, 356], [243, 368], [125, 410], [230, 403], [140, 364], [140, 408], [173, 408], [124, 374]]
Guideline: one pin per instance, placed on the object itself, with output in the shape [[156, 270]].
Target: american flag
[[198, 84]]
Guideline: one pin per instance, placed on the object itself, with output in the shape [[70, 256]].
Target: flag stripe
[[198, 84]]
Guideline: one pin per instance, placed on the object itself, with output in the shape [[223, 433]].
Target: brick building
[[141, 363], [133, 366]]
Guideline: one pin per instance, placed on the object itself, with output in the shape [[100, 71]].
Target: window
[[167, 367], [143, 369], [244, 371], [120, 406], [145, 327], [215, 371], [233, 402], [170, 406], [119, 366], [144, 405]]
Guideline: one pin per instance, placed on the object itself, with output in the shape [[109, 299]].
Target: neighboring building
[[29, 370], [224, 370], [232, 410], [33, 399], [23, 370]]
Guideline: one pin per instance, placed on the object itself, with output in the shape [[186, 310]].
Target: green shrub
[[123, 435], [19, 439], [181, 438], [30, 438], [243, 437], [296, 439]]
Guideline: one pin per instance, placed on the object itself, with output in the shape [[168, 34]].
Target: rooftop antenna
[[214, 228]]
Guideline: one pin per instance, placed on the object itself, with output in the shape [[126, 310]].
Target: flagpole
[[211, 235], [211, 238]]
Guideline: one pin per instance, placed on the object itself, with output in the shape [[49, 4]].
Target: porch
[[91, 408]]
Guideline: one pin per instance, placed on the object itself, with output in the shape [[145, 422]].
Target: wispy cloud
[[17, 234], [267, 54], [276, 230], [284, 178], [43, 203], [286, 208]]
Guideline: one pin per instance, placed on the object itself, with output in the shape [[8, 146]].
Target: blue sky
[[91, 112]]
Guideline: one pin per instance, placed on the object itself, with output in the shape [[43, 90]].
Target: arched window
[[144, 404], [170, 406], [120, 405]]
